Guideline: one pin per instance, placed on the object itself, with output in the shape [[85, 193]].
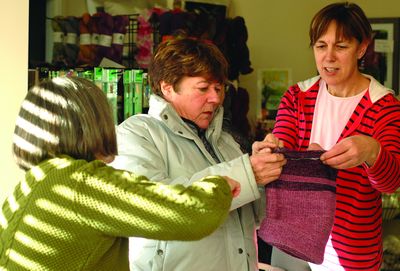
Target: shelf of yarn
[[84, 41]]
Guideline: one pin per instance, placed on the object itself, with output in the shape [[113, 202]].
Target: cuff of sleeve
[[249, 189], [377, 165]]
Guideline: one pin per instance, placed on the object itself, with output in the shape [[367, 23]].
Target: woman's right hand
[[267, 166], [235, 186]]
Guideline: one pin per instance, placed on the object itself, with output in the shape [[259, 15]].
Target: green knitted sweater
[[75, 215]]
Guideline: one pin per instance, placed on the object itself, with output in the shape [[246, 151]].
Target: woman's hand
[[267, 166], [315, 147], [269, 143], [351, 152], [235, 186], [271, 138]]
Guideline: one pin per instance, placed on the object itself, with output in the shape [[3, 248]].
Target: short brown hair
[[63, 116], [176, 58], [350, 20]]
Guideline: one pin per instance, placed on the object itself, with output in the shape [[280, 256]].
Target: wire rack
[[130, 48], [131, 43]]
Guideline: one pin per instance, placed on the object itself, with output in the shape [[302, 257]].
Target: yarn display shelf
[[130, 43]]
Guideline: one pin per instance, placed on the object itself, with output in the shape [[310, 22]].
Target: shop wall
[[278, 38], [14, 81], [73, 7], [278, 35]]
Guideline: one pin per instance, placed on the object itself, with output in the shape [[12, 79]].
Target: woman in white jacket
[[180, 140]]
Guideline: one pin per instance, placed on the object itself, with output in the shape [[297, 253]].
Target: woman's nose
[[330, 54], [215, 95]]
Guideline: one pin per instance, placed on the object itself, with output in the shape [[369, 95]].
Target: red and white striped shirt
[[356, 236]]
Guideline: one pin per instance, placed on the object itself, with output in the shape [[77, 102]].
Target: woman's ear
[[363, 48], [166, 88]]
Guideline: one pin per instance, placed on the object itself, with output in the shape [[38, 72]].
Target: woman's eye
[[218, 88]]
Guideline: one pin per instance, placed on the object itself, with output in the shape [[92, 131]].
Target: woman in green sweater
[[72, 211]]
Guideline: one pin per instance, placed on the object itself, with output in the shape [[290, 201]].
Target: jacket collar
[[376, 89], [165, 112]]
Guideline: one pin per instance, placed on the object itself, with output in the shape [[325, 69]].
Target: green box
[[146, 90], [138, 91], [98, 77], [110, 88], [128, 93]]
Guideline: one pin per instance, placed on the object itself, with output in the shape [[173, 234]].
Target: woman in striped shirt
[[357, 120]]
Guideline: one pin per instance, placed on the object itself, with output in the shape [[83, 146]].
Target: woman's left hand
[[351, 152]]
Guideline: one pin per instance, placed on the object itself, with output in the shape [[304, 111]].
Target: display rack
[[130, 48]]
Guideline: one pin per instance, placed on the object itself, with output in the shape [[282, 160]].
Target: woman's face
[[336, 60], [195, 99]]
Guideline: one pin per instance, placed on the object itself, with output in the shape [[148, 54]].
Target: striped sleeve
[[286, 120], [384, 175]]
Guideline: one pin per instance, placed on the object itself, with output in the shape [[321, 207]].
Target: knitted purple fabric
[[300, 206]]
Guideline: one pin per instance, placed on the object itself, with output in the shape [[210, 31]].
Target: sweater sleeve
[[140, 151], [242, 170], [286, 120], [384, 175], [119, 203]]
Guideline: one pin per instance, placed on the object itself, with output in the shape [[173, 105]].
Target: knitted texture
[[301, 206], [59, 32], [95, 38], [105, 25], [71, 46], [121, 23], [73, 215], [144, 42], [86, 53]]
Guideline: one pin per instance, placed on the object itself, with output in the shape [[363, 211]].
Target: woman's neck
[[350, 89]]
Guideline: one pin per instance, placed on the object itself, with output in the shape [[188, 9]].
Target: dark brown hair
[[350, 20], [63, 116], [181, 57]]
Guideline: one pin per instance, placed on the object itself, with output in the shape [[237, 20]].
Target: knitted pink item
[[144, 42], [301, 207]]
